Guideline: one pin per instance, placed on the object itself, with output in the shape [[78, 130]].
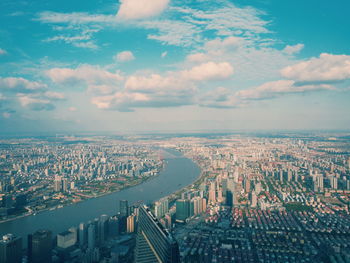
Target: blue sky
[[169, 65]]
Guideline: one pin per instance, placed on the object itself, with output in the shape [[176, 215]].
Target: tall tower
[[130, 227], [212, 193], [40, 247], [57, 183], [182, 209], [123, 208], [91, 236], [82, 234], [154, 243], [10, 249]]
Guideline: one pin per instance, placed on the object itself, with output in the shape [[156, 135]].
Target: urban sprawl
[[259, 198]]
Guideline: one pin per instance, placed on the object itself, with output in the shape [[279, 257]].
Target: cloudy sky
[[174, 65]]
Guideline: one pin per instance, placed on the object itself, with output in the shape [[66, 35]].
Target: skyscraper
[[123, 208], [57, 183], [82, 234], [182, 209], [212, 193], [161, 207], [40, 247], [91, 236], [153, 242], [66, 239], [130, 228], [102, 229], [10, 249], [230, 192], [113, 226]]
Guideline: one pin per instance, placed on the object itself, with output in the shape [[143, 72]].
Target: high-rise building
[[123, 208], [289, 176], [161, 207], [57, 184], [102, 228], [64, 184], [258, 188], [130, 224], [168, 221], [281, 176], [182, 209], [91, 236], [296, 176], [123, 214], [113, 226], [247, 185], [153, 242], [204, 204], [197, 205], [66, 239], [334, 182], [212, 193], [230, 192], [10, 249], [318, 183], [82, 234], [254, 199], [40, 247]]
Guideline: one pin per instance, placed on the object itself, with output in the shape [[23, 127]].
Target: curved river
[[178, 172]]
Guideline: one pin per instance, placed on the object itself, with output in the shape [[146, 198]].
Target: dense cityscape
[[38, 175], [171, 131], [258, 198]]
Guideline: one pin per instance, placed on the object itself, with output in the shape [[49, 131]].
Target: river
[[177, 173]]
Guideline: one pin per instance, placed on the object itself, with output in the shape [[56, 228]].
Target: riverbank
[[178, 170], [61, 205], [176, 195]]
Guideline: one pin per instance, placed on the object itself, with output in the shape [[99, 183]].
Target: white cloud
[[81, 41], [127, 100], [85, 73], [197, 57], [33, 103], [174, 88], [124, 56], [156, 82], [14, 84], [291, 50], [172, 32], [119, 99], [224, 43], [326, 68], [72, 109], [231, 18], [103, 89], [209, 71], [30, 94], [219, 98], [277, 88], [54, 95], [76, 18], [6, 115], [222, 19], [139, 9], [2, 52]]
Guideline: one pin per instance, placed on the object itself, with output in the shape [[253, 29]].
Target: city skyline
[[173, 65], [214, 197]]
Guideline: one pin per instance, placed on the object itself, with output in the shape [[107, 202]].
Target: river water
[[178, 172]]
